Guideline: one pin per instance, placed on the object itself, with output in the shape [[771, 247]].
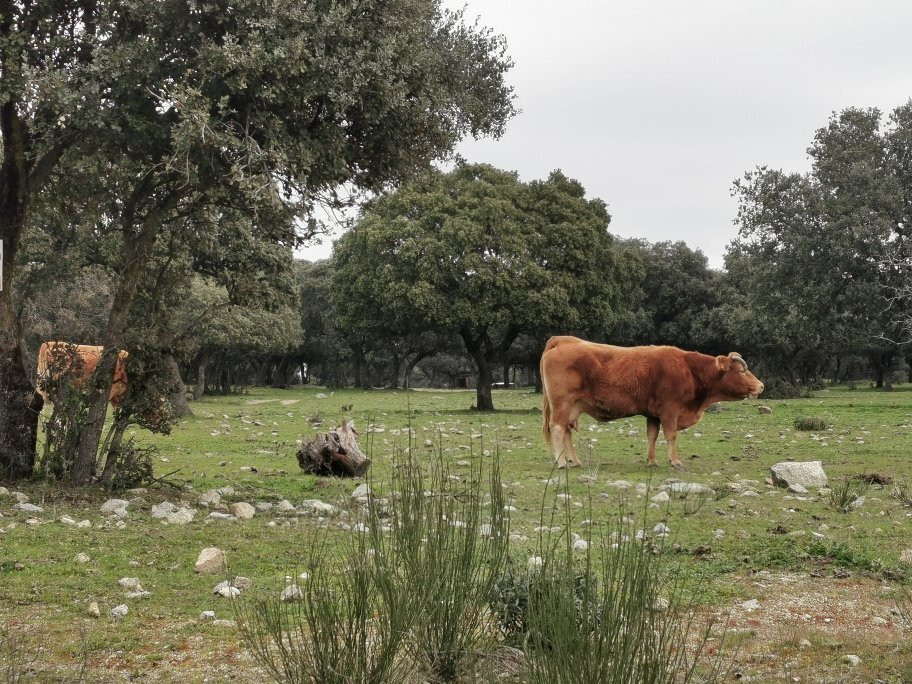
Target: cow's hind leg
[[652, 434], [563, 422], [670, 428]]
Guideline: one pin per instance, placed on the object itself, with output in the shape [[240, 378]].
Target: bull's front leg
[[652, 433], [670, 428]]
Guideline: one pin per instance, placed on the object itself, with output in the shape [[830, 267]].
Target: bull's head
[[736, 380]]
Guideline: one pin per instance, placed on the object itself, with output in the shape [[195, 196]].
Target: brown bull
[[57, 359], [670, 386]]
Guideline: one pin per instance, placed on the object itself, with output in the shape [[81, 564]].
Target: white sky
[[657, 106]]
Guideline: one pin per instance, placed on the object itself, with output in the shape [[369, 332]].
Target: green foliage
[[810, 424], [847, 492], [777, 388]]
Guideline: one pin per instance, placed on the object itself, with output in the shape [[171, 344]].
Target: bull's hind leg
[[564, 420], [652, 434], [670, 428]]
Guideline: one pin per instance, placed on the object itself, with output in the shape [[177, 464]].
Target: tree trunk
[[110, 467], [483, 400], [19, 409], [179, 396], [536, 374], [395, 367], [506, 374], [334, 453], [280, 376], [200, 388], [136, 254], [410, 366], [356, 367], [305, 375]]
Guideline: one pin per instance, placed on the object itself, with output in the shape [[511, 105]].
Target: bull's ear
[[723, 363]]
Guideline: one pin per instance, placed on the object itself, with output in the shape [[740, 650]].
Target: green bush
[[776, 388], [810, 424]]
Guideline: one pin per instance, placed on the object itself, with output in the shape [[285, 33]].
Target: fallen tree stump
[[334, 453]]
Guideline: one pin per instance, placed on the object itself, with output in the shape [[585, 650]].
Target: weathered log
[[334, 453]]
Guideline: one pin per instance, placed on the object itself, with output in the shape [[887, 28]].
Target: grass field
[[802, 583]]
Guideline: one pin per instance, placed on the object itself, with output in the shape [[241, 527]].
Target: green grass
[[868, 432]]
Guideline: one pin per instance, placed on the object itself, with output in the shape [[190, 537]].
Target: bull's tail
[[546, 403], [41, 380]]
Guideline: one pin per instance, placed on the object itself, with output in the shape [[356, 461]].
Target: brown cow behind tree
[[667, 385], [58, 359]]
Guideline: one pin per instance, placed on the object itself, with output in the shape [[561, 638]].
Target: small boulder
[[28, 508], [797, 489], [93, 610], [906, 557], [660, 498], [20, 497], [111, 506], [852, 660], [119, 612], [211, 560], [764, 410], [284, 506], [362, 491], [685, 489], [181, 516], [129, 583], [82, 558], [207, 615], [319, 507], [807, 474], [292, 593], [163, 509], [242, 510], [210, 498]]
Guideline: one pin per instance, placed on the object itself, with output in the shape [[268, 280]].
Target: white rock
[[683, 489], [225, 590], [242, 510], [217, 515], [138, 594], [535, 562], [210, 498], [181, 516], [129, 583], [225, 491], [67, 520], [93, 610], [83, 524], [852, 660], [28, 508], [119, 612], [797, 489], [285, 506], [224, 623], [580, 545], [207, 615], [20, 497], [751, 605], [906, 557], [211, 560], [361, 491], [292, 593], [111, 506], [163, 509], [661, 529], [82, 558], [317, 506], [661, 497], [806, 473]]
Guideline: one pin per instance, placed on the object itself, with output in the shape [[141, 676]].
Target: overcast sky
[[656, 107]]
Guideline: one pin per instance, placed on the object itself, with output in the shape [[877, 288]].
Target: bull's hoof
[[677, 466], [652, 464]]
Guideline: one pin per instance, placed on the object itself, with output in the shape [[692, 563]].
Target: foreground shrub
[[810, 424], [776, 388], [848, 493]]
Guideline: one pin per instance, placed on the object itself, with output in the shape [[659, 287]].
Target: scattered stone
[[93, 610], [766, 410], [292, 593], [857, 503], [797, 489], [242, 510], [285, 506], [804, 643], [719, 534], [661, 604], [82, 558], [264, 506], [620, 484], [535, 562], [20, 497], [112, 506], [226, 590], [83, 524], [852, 660], [242, 583], [225, 491], [751, 605], [362, 491], [28, 508], [163, 509], [119, 612], [138, 594], [580, 545], [660, 498], [906, 557], [661, 530], [67, 520], [129, 583], [207, 615], [749, 493], [210, 498], [181, 516], [683, 489], [211, 560], [317, 506], [587, 479], [216, 515], [224, 623], [4, 491], [807, 474]]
